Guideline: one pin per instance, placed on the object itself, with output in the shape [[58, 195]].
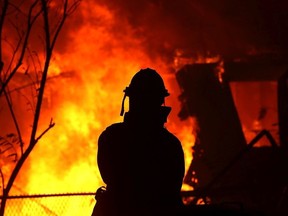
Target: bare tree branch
[[17, 7], [30, 23], [15, 121], [16, 170], [2, 180], [2, 18], [73, 7], [15, 50], [49, 44], [51, 124]]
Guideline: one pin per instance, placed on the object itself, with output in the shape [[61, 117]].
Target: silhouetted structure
[[283, 109], [141, 162], [228, 169], [220, 137]]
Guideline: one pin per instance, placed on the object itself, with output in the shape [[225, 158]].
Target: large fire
[[85, 97]]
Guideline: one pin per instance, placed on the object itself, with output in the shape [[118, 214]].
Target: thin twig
[[2, 180], [30, 23], [15, 121], [15, 50], [51, 124], [2, 18], [17, 7], [73, 7]]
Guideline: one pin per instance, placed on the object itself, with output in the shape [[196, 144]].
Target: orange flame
[[83, 99]]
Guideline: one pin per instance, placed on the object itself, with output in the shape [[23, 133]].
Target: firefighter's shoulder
[[113, 129], [171, 136]]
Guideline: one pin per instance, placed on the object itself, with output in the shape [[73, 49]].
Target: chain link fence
[[71, 204]]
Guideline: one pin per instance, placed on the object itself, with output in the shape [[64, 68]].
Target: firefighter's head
[[146, 91]]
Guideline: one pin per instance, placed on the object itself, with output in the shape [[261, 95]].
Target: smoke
[[228, 27]]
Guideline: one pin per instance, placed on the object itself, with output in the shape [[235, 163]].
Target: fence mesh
[[51, 204]]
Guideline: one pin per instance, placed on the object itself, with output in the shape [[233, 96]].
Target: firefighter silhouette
[[140, 161]]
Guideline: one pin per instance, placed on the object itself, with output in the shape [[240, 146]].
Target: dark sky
[[228, 27], [231, 28]]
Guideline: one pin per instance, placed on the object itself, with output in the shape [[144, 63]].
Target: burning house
[[228, 163], [225, 65]]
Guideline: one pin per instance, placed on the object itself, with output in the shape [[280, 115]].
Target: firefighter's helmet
[[146, 82]]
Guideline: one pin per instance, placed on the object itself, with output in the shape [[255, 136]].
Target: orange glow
[[182, 58], [83, 99]]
